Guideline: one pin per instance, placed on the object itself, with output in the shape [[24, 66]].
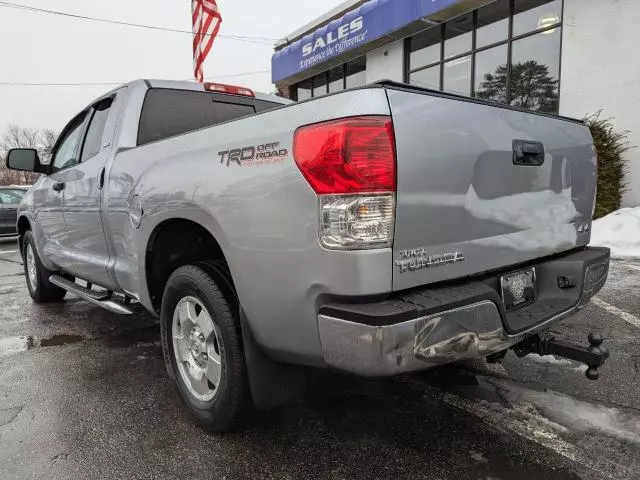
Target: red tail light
[[230, 89], [350, 155]]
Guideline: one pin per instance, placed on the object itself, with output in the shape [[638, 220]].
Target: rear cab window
[[168, 112]]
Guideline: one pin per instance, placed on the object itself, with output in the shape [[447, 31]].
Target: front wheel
[[40, 288], [202, 348]]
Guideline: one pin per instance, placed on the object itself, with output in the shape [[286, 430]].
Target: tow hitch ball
[[593, 356]]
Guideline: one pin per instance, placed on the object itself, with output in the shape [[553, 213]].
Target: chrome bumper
[[468, 332]]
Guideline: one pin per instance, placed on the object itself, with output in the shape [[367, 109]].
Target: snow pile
[[620, 231]]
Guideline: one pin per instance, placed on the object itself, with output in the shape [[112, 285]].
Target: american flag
[[206, 23]]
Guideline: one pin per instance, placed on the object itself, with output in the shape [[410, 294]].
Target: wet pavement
[[84, 394]]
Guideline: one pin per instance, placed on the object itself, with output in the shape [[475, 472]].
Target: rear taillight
[[352, 155], [350, 163]]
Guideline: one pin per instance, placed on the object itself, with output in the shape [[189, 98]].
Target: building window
[[458, 35], [425, 47], [303, 90], [491, 74], [336, 79], [351, 74], [320, 85], [427, 77], [356, 73], [457, 76], [493, 24], [532, 15], [535, 71], [475, 54]]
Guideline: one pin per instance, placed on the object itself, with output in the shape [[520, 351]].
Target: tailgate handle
[[528, 153]]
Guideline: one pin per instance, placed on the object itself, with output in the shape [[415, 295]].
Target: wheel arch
[[24, 225], [177, 241]]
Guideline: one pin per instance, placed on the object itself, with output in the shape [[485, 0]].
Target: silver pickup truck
[[379, 230]]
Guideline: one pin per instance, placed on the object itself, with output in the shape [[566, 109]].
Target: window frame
[[85, 133], [475, 50], [86, 113]]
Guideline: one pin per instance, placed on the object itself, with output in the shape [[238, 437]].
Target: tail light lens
[[351, 164], [352, 155]]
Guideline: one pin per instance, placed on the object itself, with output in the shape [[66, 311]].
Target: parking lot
[[84, 394]]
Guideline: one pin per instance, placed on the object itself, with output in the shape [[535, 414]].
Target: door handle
[[528, 153], [58, 186]]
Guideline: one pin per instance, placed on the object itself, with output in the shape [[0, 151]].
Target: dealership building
[[572, 57]]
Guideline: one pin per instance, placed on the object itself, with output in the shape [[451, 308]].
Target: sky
[[45, 48]]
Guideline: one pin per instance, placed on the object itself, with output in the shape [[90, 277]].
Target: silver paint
[[265, 218], [458, 189]]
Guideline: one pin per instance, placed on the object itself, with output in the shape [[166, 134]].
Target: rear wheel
[[202, 348], [40, 288]]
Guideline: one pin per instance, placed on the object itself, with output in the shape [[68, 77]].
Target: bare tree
[[48, 139], [21, 137]]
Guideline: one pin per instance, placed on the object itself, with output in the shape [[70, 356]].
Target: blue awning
[[357, 27]]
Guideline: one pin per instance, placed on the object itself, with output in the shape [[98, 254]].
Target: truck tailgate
[[482, 187]]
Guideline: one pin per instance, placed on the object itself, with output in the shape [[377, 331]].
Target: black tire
[[41, 289], [225, 411]]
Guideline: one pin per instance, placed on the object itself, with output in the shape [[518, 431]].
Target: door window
[[66, 154], [93, 140]]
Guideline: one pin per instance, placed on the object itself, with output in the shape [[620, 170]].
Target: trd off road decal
[[254, 155]]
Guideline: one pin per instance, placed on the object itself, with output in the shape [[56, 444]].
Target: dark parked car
[[9, 199]]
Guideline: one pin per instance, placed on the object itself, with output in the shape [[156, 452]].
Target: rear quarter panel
[[264, 216]]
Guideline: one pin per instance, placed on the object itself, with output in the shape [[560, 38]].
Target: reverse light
[[351, 164], [349, 222], [230, 89]]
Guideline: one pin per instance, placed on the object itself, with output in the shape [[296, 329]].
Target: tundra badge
[[417, 259]]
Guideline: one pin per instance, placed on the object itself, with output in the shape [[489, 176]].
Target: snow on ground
[[620, 231]]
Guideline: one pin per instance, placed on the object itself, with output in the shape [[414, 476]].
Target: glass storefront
[[352, 74], [507, 51]]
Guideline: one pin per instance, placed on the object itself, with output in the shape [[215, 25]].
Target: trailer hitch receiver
[[593, 356]]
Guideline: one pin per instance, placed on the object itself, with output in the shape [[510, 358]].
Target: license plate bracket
[[518, 288]]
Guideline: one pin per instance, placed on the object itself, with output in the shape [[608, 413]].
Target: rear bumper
[[426, 327]]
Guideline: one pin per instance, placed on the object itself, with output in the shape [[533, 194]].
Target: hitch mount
[[593, 356]]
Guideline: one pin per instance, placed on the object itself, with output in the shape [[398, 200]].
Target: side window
[[66, 154], [168, 112], [93, 140]]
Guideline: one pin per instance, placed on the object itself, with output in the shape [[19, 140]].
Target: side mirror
[[25, 159]]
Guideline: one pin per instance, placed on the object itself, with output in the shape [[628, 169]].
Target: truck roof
[[190, 85]]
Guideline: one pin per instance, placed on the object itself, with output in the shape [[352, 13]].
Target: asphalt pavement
[[84, 394]]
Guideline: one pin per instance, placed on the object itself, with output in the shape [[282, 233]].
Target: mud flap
[[273, 384]]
